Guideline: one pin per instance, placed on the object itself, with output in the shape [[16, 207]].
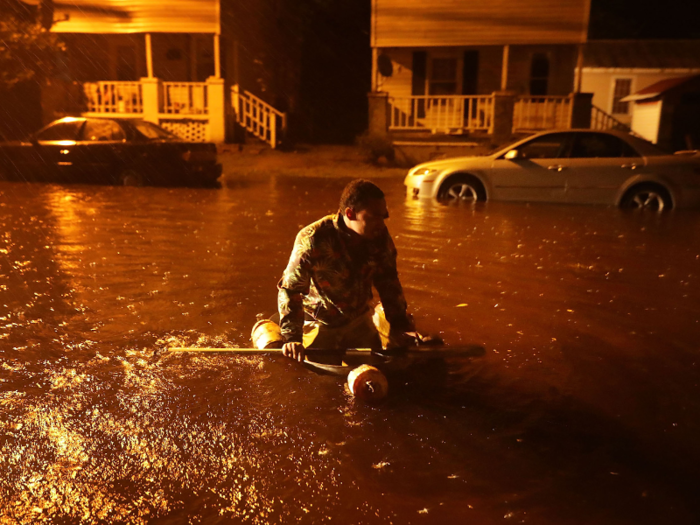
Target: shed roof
[[643, 54], [658, 89]]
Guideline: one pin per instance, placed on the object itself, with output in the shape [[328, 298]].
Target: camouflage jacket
[[330, 276]]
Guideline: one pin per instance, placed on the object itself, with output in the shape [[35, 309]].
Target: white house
[[615, 69]]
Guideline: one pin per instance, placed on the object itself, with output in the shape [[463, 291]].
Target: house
[[445, 69], [180, 64], [667, 113], [615, 69]]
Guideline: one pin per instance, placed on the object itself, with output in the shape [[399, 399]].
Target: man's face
[[369, 222]]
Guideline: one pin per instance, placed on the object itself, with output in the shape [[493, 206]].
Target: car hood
[[456, 163]]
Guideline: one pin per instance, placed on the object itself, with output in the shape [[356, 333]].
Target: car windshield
[[151, 131]]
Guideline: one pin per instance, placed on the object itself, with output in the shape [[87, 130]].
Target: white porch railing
[[114, 97], [442, 113], [258, 117], [185, 98], [536, 113]]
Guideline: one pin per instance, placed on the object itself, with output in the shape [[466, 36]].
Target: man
[[330, 274]]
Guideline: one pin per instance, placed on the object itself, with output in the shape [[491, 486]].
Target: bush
[[375, 147]]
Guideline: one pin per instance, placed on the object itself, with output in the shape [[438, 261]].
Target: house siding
[[416, 23]]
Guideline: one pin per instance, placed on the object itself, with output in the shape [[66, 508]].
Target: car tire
[[462, 188], [130, 178], [652, 197]]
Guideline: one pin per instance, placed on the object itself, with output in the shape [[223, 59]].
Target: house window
[[443, 77], [539, 74], [623, 87]]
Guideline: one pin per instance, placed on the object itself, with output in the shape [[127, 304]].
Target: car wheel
[[647, 197], [462, 189], [130, 178]]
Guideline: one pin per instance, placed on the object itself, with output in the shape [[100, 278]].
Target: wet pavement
[[584, 409]]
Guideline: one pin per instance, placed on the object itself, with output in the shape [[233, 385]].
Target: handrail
[[602, 120], [258, 117]]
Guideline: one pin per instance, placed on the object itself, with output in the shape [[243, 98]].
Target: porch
[[194, 111]]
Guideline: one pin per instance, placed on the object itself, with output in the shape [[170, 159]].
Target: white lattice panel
[[192, 130]]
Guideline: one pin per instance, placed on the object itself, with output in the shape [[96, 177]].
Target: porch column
[[504, 68], [579, 69], [379, 117], [150, 93], [503, 105], [217, 110], [581, 107], [217, 56], [149, 55]]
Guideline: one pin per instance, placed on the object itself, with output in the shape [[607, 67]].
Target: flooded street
[[584, 409]]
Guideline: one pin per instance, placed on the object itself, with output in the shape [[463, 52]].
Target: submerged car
[[577, 166], [127, 152]]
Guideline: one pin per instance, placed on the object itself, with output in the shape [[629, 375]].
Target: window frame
[[613, 83]]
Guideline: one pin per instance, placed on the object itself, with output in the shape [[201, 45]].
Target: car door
[[600, 164], [98, 156], [53, 149], [536, 172]]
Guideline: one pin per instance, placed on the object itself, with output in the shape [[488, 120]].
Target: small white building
[[615, 69], [667, 113]]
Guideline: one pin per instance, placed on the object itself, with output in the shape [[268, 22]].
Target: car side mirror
[[514, 154]]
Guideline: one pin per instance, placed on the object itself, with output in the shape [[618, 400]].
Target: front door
[[538, 173]]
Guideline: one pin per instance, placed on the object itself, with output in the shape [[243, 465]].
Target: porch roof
[[135, 16]]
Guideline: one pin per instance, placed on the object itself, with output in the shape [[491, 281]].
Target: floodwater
[[584, 409]]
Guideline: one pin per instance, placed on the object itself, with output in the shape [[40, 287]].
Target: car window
[[102, 130], [600, 145], [67, 130], [551, 146], [151, 131]]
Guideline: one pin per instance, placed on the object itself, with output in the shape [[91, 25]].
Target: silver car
[[577, 166]]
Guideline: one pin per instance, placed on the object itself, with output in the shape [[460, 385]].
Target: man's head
[[363, 207]]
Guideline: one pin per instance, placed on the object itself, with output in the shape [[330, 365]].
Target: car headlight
[[424, 172]]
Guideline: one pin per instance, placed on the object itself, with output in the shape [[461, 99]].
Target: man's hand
[[403, 339], [294, 350]]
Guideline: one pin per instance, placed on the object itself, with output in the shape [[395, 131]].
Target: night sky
[[644, 19]]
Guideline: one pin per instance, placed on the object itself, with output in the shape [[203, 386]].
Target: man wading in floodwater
[[330, 274]]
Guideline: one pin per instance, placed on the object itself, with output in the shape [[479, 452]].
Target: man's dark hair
[[358, 193]]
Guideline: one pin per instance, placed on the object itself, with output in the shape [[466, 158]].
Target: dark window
[[539, 74], [102, 130], [420, 60], [600, 145], [61, 131], [623, 86], [173, 54], [552, 146]]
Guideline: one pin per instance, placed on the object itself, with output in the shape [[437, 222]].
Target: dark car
[[127, 152]]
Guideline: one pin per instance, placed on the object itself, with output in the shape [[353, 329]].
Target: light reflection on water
[[584, 409]]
